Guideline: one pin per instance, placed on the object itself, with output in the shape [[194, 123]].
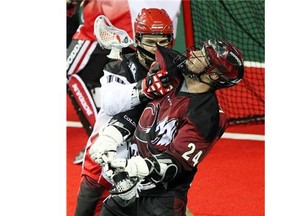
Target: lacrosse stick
[[110, 37], [124, 186]]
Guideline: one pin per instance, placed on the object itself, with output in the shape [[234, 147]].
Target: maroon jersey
[[182, 127]]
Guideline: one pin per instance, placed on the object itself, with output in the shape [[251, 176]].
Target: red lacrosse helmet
[[153, 21], [225, 60]]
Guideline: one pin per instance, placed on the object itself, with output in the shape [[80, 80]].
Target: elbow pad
[[125, 132]]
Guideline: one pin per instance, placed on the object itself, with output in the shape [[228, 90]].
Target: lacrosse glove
[[136, 166], [154, 85], [104, 149]]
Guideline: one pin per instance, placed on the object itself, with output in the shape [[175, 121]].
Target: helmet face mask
[[193, 62], [224, 59], [198, 61]]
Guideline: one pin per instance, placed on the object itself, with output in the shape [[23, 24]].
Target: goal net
[[242, 23]]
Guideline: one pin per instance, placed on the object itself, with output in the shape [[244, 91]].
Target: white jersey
[[120, 103], [115, 97]]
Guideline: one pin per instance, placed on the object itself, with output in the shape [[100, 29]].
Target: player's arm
[[184, 154], [119, 129], [115, 93], [119, 95]]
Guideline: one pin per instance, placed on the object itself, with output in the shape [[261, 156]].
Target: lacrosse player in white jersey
[[86, 58]]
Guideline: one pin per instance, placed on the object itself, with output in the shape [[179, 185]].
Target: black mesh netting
[[242, 23]]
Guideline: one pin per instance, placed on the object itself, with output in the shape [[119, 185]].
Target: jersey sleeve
[[116, 93], [126, 121]]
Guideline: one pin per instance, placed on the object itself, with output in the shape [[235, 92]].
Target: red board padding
[[76, 137]]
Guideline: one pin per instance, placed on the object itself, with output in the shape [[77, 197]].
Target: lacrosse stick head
[[110, 37], [124, 186]]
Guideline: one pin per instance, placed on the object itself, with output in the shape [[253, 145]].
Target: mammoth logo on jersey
[[161, 129]]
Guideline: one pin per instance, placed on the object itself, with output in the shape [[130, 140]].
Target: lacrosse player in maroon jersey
[[174, 133], [120, 80]]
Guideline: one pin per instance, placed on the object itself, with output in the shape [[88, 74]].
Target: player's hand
[[155, 84], [103, 153], [136, 166], [104, 149]]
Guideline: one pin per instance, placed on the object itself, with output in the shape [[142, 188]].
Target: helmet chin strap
[[145, 52]]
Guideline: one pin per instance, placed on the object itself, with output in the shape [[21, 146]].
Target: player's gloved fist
[[136, 166], [102, 152], [155, 84], [104, 149]]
